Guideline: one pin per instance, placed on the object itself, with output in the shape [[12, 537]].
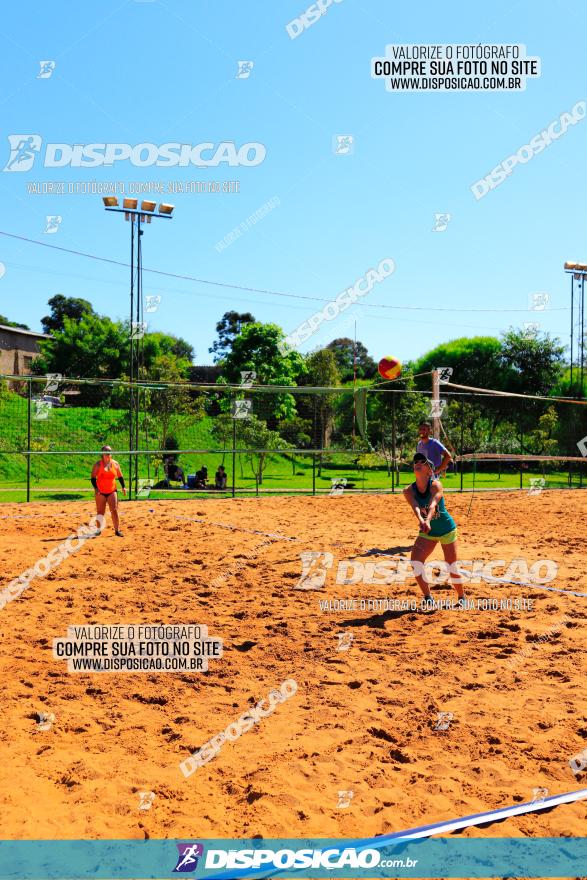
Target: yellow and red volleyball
[[389, 367]]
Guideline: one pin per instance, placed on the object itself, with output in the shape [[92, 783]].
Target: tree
[[257, 348], [475, 361], [256, 435], [65, 307], [297, 432], [321, 371], [7, 323], [534, 364], [228, 328], [174, 407], [161, 345], [344, 352], [91, 346]]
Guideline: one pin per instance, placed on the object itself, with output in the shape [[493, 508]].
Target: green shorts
[[449, 538]]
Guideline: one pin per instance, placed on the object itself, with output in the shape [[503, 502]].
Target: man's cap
[[419, 456], [106, 449]]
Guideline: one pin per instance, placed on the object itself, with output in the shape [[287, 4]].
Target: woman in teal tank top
[[425, 497]]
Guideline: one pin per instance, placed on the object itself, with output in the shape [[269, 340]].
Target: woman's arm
[[409, 496], [437, 492]]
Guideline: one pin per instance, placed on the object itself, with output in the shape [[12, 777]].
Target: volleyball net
[[278, 439]]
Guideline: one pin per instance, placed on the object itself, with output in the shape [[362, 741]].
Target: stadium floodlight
[[148, 206], [166, 209], [110, 202]]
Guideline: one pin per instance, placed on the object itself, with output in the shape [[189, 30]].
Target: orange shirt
[[106, 476]]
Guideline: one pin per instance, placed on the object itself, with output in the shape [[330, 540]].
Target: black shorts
[[108, 494]]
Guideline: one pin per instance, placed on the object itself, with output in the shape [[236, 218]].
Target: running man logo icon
[[531, 328], [247, 378], [53, 223], [443, 721], [138, 329], [23, 151], [146, 799], [578, 762], [436, 408], [315, 565], [47, 68], [539, 795], [343, 144], [187, 861], [344, 799], [345, 640], [537, 484], [144, 488], [537, 302], [152, 303], [244, 69], [441, 222], [338, 484], [242, 409], [582, 444], [42, 409], [444, 374], [53, 380]]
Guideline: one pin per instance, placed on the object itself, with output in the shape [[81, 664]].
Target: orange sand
[[362, 720]]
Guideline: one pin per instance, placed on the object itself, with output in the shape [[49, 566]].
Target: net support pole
[[28, 444], [462, 439], [393, 442], [234, 456], [436, 403]]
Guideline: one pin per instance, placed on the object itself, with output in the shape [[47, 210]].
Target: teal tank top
[[442, 522]]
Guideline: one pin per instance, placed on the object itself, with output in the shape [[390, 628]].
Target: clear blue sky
[[165, 71]]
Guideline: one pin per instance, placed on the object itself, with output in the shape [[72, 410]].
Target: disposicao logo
[[24, 149], [187, 860]]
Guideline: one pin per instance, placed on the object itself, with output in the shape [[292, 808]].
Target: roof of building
[[26, 332]]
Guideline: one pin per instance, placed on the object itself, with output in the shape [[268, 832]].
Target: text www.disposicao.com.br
[[134, 664]]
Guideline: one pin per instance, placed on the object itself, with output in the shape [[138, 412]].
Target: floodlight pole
[[136, 216], [578, 272]]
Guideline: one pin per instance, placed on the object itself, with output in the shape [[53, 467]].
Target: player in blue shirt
[[433, 449]]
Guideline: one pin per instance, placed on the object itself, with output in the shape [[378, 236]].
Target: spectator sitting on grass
[[202, 478], [220, 478]]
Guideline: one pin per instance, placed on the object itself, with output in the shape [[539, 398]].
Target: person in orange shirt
[[104, 475]]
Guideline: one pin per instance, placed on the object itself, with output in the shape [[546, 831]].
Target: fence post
[[28, 458], [521, 452], [462, 439], [313, 473], [393, 444], [234, 456]]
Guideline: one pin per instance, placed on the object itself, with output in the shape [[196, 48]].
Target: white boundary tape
[[490, 816]]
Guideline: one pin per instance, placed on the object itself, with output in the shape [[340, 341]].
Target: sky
[[166, 72]]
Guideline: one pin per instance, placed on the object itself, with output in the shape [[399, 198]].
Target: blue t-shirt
[[432, 449]]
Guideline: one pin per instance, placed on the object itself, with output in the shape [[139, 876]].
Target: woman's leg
[[100, 511], [450, 557], [421, 550], [113, 505]]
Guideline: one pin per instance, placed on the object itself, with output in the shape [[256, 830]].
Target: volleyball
[[389, 367]]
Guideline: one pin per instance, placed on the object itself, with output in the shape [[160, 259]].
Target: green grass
[[278, 478]]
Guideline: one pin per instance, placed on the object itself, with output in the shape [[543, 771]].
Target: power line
[[253, 289]]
